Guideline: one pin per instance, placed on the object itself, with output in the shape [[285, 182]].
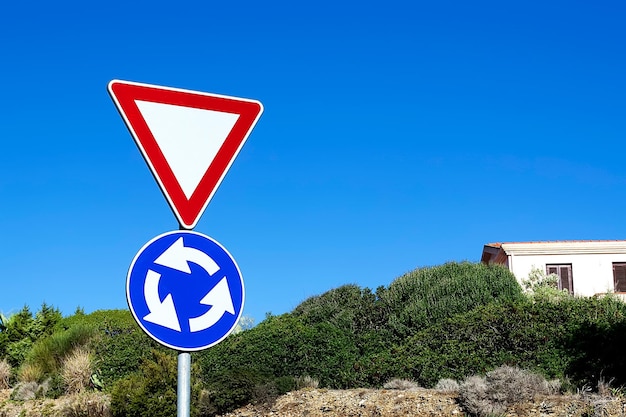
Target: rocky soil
[[419, 403], [88, 404], [341, 403]]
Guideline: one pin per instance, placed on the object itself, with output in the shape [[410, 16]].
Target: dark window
[[564, 273], [619, 277]]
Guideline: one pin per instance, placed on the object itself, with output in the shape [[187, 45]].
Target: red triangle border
[[187, 211]]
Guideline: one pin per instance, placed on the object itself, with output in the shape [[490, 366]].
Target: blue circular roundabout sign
[[185, 290]]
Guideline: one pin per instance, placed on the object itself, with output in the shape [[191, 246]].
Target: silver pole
[[183, 400]]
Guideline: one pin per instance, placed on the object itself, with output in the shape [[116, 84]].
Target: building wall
[[591, 273]]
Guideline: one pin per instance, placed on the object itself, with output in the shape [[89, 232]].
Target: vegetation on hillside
[[447, 322]]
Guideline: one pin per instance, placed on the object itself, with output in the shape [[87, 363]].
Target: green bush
[[15, 337], [427, 296], [349, 307], [558, 339], [349, 336], [17, 351], [149, 392], [595, 344], [227, 391], [120, 347], [285, 346], [48, 353], [41, 343], [233, 389], [450, 321], [19, 331], [357, 312], [45, 321]]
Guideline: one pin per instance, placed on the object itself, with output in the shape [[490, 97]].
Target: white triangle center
[[189, 138]]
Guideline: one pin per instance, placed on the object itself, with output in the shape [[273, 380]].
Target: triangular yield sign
[[188, 138]]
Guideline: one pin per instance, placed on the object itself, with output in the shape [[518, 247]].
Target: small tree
[[540, 285], [45, 321], [15, 340], [19, 331]]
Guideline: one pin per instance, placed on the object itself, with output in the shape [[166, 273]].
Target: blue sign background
[[186, 289]]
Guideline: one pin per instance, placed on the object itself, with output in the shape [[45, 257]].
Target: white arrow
[[163, 312], [220, 300], [178, 255]]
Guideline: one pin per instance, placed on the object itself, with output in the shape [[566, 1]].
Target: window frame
[[619, 287], [562, 270]]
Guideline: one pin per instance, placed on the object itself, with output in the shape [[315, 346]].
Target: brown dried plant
[[76, 370], [5, 374]]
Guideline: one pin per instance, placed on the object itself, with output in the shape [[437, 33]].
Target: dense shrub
[[284, 346], [241, 386], [117, 344], [120, 346], [434, 324], [556, 338], [427, 296], [596, 341], [19, 331], [15, 338], [348, 307], [151, 391], [278, 355], [412, 302], [458, 320], [357, 312], [228, 391], [47, 354], [41, 347]]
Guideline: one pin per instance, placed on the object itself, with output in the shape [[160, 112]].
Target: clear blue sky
[[396, 134]]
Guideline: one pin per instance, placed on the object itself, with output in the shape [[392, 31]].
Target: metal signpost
[[183, 288]]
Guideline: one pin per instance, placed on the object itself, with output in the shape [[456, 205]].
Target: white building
[[584, 267]]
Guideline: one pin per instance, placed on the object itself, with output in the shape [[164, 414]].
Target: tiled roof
[[499, 244], [498, 249]]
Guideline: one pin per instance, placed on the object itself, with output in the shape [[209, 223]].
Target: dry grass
[[500, 388], [5, 374], [29, 372], [335, 403], [355, 402], [447, 385], [306, 382], [87, 404], [401, 384], [91, 404], [205, 406], [30, 390], [76, 370]]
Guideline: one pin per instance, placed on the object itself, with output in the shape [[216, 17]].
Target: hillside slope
[[338, 403], [422, 403]]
